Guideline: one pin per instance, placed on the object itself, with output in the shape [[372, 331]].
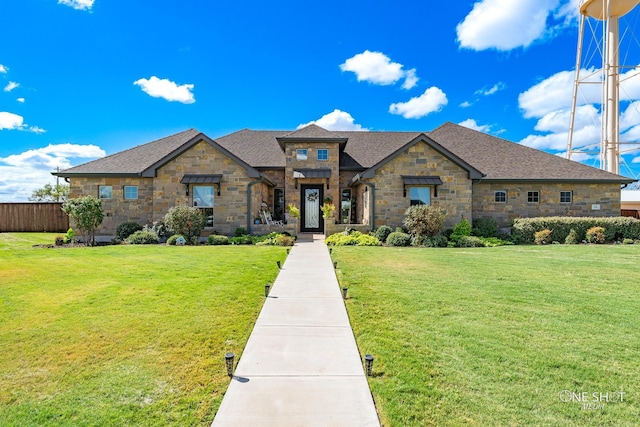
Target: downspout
[[249, 216], [372, 210]]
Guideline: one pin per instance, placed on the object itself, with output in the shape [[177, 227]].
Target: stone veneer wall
[[517, 206], [117, 210], [292, 194], [455, 193]]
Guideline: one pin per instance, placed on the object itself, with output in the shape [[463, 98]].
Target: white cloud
[[492, 90], [11, 86], [3, 69], [506, 24], [466, 104], [472, 124], [20, 100], [410, 80], [12, 121], [377, 68], [25, 172], [432, 100], [336, 120], [78, 4], [164, 88]]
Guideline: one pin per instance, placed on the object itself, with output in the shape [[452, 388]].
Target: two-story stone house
[[371, 177]]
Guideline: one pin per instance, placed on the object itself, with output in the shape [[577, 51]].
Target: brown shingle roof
[[502, 159], [134, 160]]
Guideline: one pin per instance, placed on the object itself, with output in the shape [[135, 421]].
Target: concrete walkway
[[301, 366]]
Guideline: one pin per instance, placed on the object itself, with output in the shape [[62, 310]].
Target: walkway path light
[[368, 363], [267, 287], [278, 263], [330, 249], [344, 293], [335, 264], [228, 358]]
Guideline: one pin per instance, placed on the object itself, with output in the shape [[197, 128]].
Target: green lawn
[[494, 336], [123, 335]]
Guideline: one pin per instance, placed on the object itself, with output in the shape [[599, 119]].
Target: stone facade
[[594, 199], [455, 193]]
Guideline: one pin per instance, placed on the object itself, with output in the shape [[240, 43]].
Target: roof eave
[[571, 180]]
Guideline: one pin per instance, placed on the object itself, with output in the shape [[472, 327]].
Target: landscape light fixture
[[288, 251], [267, 287], [278, 264], [335, 264], [228, 358], [368, 363], [330, 249], [344, 293]]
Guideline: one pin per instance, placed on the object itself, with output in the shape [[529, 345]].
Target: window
[[130, 192], [323, 154], [104, 192], [301, 154], [500, 197], [203, 199], [566, 196], [278, 204], [345, 206], [533, 197], [420, 196]]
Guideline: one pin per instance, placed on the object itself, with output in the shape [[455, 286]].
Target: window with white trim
[[500, 196], [130, 192], [203, 199], [566, 196], [105, 192]]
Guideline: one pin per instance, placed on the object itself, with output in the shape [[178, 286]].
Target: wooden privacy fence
[[33, 217]]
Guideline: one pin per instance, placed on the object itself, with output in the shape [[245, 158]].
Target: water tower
[[608, 12]]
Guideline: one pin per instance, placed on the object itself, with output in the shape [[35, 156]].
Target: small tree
[[424, 220], [87, 214], [50, 193], [186, 220]]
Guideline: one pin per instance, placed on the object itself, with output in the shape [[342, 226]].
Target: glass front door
[[311, 200]]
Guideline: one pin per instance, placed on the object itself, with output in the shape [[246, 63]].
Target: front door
[[311, 196]]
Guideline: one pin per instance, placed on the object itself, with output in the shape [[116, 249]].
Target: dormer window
[[301, 154]]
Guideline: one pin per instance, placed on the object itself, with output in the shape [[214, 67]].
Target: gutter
[[249, 217], [372, 214]]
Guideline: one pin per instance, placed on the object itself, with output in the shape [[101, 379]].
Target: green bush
[[126, 229], [241, 240], [492, 242], [628, 241], [542, 237], [239, 232], [595, 235], [87, 215], [59, 240], [398, 239], [159, 228], [383, 232], [284, 240], [616, 228], [462, 229], [172, 239], [431, 242], [354, 238], [216, 239], [186, 220], [485, 227], [469, 242], [424, 220], [142, 237], [68, 237], [572, 238]]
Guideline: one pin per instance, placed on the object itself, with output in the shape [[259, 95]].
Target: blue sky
[[80, 79]]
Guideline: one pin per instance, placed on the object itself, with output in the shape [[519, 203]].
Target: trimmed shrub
[[431, 242], [572, 238], [240, 231], [424, 220], [595, 235], [462, 229], [628, 241], [485, 227], [241, 240], [159, 228], [284, 240], [616, 228], [126, 229], [542, 237], [354, 238], [216, 239], [141, 237], [383, 232], [398, 239], [172, 239], [469, 242], [186, 220], [59, 240], [492, 242]]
